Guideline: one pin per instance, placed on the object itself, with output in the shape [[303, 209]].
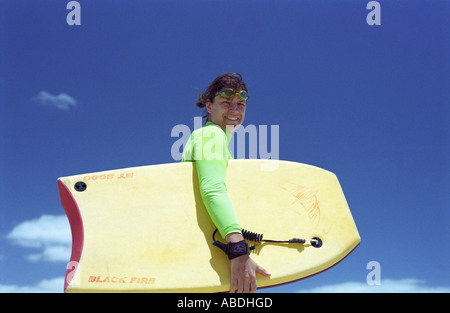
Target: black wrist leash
[[233, 249], [236, 249]]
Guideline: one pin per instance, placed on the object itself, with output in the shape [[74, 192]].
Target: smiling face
[[226, 112]]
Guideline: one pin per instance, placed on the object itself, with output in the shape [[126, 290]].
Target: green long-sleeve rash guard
[[208, 148]]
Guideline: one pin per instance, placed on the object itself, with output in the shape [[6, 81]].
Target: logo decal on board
[[307, 198]]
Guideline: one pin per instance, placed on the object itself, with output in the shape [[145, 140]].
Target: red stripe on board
[[76, 226]]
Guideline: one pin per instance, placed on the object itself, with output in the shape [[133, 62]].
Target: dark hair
[[229, 80]]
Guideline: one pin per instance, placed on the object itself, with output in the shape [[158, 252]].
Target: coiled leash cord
[[236, 249], [315, 242]]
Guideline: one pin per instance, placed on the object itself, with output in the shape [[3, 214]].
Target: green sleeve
[[208, 147]]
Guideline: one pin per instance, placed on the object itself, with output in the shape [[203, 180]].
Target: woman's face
[[227, 112]]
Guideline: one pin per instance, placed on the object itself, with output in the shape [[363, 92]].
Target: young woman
[[225, 100]]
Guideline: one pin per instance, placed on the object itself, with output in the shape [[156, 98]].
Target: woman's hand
[[243, 270], [243, 274]]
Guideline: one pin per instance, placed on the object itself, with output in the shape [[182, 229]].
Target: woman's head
[[225, 100]]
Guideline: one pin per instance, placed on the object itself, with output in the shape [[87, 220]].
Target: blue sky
[[369, 103]]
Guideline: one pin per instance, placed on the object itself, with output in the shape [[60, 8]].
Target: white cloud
[[409, 285], [53, 285], [49, 234], [62, 101]]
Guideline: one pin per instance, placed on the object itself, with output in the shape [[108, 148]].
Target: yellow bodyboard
[[145, 229]]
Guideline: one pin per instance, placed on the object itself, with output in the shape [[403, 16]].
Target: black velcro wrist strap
[[236, 249], [233, 249]]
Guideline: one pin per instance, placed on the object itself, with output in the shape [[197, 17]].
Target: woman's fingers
[[243, 274]]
